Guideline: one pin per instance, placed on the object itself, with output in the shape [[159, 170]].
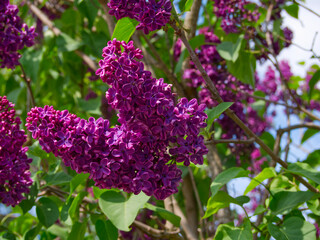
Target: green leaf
[[178, 67], [9, 236], [260, 107], [227, 232], [293, 228], [243, 68], [89, 9], [28, 203], [58, 178], [242, 200], [225, 177], [78, 231], [313, 81], [313, 158], [292, 10], [91, 106], [30, 61], [265, 174], [259, 210], [165, 214], [74, 208], [65, 209], [305, 170], [215, 112], [106, 230], [268, 139], [188, 5], [220, 200], [66, 44], [308, 134], [314, 206], [119, 210], [124, 29], [60, 231], [276, 232], [47, 211], [32, 233], [285, 201], [97, 192], [229, 50], [197, 41], [77, 180], [14, 94]]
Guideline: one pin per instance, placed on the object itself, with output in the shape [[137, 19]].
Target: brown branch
[[107, 17], [229, 112], [276, 64], [43, 18], [237, 141], [281, 131], [28, 83], [191, 19], [173, 206], [190, 203], [201, 212], [157, 233], [305, 7]]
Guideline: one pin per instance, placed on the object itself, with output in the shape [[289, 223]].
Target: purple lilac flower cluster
[[233, 14], [140, 154], [14, 163], [271, 86], [151, 15], [14, 35]]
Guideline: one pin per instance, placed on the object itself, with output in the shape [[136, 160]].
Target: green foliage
[[106, 230], [292, 10], [121, 210], [243, 68], [265, 174], [229, 50], [293, 228], [47, 211], [124, 29], [228, 232], [165, 214], [285, 201]]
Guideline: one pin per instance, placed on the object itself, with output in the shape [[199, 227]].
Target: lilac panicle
[[233, 13], [151, 15], [14, 163], [140, 154], [14, 35]]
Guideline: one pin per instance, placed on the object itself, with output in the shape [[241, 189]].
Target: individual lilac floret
[[151, 14], [14, 35], [14, 163]]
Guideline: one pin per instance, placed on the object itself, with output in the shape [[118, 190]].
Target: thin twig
[[201, 212], [157, 233], [43, 18], [281, 131], [237, 141], [305, 7], [28, 81]]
